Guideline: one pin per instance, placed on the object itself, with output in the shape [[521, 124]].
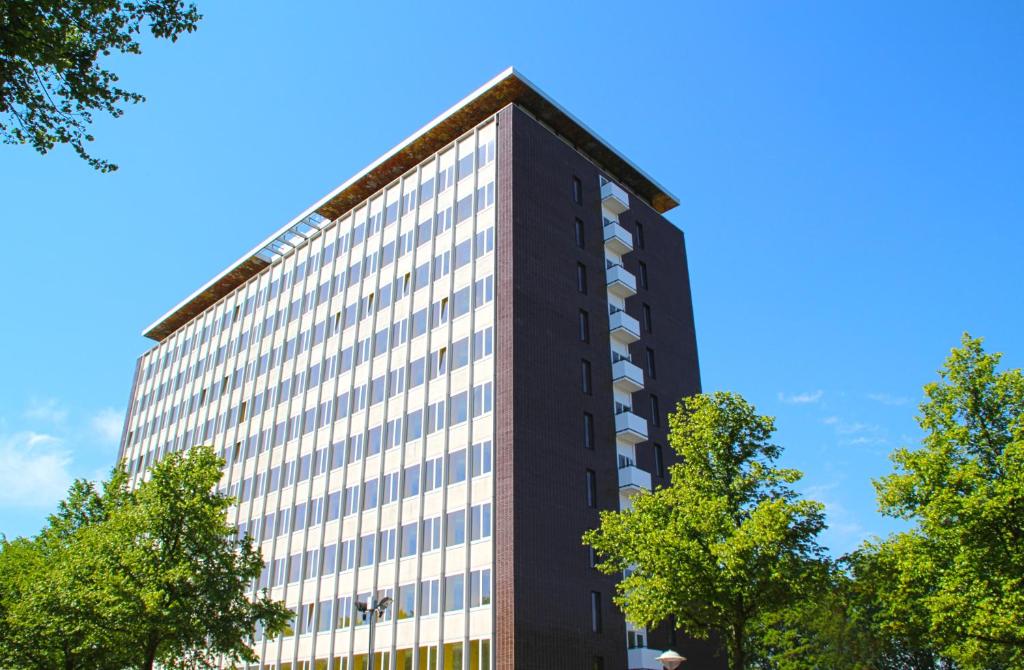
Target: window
[[595, 611], [408, 540], [577, 190], [406, 601], [659, 461], [366, 550], [651, 372], [647, 317], [456, 467], [591, 489], [479, 588], [431, 534], [642, 269], [640, 235], [456, 528], [429, 597], [598, 663], [458, 408], [580, 240], [480, 521], [588, 430], [453, 591], [481, 458], [584, 326], [655, 411], [581, 278], [585, 381]]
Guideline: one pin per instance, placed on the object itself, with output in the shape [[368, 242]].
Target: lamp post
[[670, 660], [374, 612]]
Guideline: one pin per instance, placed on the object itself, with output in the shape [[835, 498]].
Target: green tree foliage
[[52, 78], [955, 581], [135, 578], [728, 545]]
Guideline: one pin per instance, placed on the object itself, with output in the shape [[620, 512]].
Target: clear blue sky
[[852, 186]]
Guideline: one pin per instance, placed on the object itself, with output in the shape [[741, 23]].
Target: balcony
[[626, 376], [613, 197], [623, 327], [643, 658], [617, 238], [629, 427], [633, 480], [621, 281]]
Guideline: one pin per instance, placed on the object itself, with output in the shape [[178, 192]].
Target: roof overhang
[[509, 87]]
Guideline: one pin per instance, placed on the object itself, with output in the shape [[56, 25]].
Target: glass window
[[460, 303], [460, 353], [585, 380], [580, 240], [463, 254], [479, 588], [457, 466], [412, 481], [595, 611], [581, 277], [584, 326], [481, 458], [588, 430], [480, 521], [406, 601], [453, 592], [577, 190], [457, 408], [431, 534], [591, 488], [408, 539], [456, 533], [366, 550], [655, 411]]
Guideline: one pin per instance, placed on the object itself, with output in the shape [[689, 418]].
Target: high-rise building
[[427, 386]]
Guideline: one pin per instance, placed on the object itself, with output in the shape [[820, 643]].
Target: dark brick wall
[[543, 580]]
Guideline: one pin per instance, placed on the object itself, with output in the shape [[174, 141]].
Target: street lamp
[[670, 660], [375, 612]]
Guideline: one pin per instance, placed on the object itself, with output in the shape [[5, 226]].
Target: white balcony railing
[[617, 238], [626, 376], [613, 197], [621, 281], [629, 427], [643, 658], [623, 327], [633, 480]]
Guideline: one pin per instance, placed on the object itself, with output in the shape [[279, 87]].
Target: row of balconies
[[626, 377]]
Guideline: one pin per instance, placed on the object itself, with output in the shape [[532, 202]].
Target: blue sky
[[851, 183]]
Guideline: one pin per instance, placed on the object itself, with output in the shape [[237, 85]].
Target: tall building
[[428, 385]]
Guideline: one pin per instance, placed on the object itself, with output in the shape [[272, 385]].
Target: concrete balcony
[[630, 428], [614, 198], [643, 658], [617, 238], [633, 480], [623, 327], [621, 281], [626, 376]]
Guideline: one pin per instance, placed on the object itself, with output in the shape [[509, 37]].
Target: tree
[[728, 544], [845, 626], [48, 614], [136, 578], [52, 78], [956, 579]]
